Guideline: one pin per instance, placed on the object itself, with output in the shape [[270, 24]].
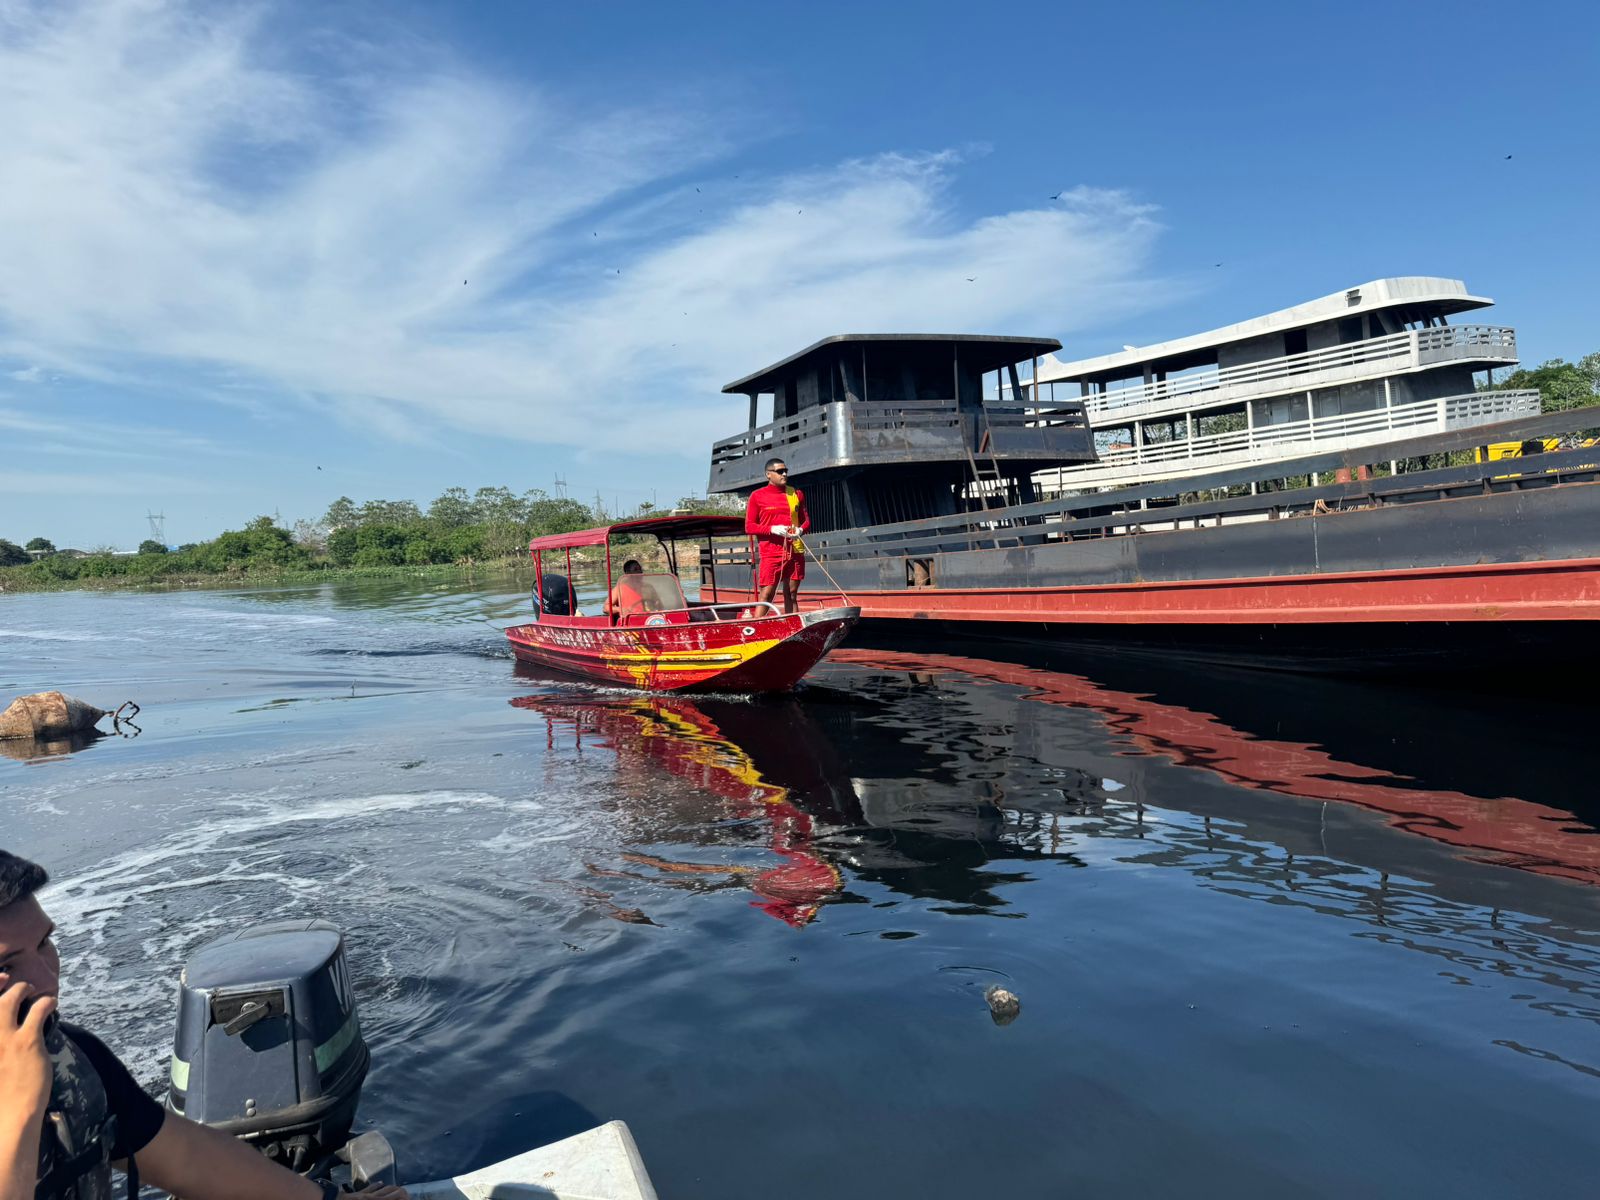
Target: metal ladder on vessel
[[986, 477]]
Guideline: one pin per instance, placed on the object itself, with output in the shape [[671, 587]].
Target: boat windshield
[[652, 593]]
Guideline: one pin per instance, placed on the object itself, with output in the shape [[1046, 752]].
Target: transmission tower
[[158, 525], [561, 487]]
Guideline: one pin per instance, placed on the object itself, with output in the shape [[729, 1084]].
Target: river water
[[1271, 936]]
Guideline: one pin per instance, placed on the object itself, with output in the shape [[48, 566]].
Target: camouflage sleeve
[[139, 1117]]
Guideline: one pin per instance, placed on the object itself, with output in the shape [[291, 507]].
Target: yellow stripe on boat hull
[[641, 664]]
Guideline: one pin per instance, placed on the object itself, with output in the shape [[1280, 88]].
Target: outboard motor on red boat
[[269, 1048], [558, 599]]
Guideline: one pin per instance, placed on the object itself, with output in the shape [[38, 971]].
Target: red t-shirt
[[769, 506]]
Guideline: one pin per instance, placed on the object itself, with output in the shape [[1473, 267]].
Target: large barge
[[1289, 489]]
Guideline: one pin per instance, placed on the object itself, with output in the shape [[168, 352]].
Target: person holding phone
[[71, 1113]]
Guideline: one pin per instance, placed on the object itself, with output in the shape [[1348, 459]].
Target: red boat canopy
[[667, 528]]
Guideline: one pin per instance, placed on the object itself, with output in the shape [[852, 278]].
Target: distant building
[[64, 552]]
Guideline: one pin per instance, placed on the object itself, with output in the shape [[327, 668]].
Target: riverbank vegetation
[[1562, 385], [459, 531]]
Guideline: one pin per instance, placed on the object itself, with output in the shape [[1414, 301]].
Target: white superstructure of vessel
[[1366, 365]]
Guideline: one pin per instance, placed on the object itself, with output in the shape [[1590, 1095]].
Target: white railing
[[1448, 342], [1289, 439], [1371, 358]]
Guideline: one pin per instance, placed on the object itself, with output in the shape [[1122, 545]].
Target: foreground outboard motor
[[268, 1046]]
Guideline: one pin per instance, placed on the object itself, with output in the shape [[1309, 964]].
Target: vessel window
[[908, 377], [1349, 330], [1294, 341]]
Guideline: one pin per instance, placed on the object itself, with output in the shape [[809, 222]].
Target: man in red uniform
[[777, 517]]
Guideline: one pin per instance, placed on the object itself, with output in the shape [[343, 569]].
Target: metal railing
[[738, 556], [1370, 358], [771, 437], [1266, 442], [1450, 342], [1047, 414], [861, 432], [1113, 514]]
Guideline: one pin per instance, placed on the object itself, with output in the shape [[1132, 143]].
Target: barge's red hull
[[1526, 591]]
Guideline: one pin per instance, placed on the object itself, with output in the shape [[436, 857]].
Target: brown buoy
[[48, 717]]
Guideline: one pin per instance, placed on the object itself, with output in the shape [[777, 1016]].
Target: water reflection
[[920, 776], [697, 742], [1502, 829], [30, 749], [953, 781]]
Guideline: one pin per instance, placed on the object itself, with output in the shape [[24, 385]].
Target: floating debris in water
[[1003, 1005], [52, 716], [51, 723], [48, 716]]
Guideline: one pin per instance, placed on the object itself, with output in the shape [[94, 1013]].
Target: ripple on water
[[404, 874], [56, 635]]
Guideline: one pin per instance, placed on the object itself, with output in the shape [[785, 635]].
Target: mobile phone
[[26, 1006]]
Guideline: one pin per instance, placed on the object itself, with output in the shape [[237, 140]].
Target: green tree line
[[1562, 385], [490, 524]]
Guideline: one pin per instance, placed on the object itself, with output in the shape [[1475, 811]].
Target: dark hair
[[774, 462], [632, 567], [19, 878]]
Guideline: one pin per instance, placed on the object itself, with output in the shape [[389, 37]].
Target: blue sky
[[253, 257]]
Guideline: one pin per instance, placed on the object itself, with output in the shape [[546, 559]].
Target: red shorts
[[776, 568]]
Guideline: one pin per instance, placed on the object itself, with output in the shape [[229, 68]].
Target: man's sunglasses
[[778, 470]]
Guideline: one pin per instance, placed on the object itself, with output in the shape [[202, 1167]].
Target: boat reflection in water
[[695, 741], [1488, 828], [926, 773]]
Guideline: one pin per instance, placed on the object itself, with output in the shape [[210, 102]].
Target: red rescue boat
[[650, 636]]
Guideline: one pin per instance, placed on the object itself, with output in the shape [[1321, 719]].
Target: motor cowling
[[558, 598], [268, 1044]]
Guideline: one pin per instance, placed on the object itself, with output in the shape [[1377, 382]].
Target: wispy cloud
[[431, 248], [88, 483], [100, 437]]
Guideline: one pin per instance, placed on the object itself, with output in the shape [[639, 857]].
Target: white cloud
[[29, 375], [419, 249]]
